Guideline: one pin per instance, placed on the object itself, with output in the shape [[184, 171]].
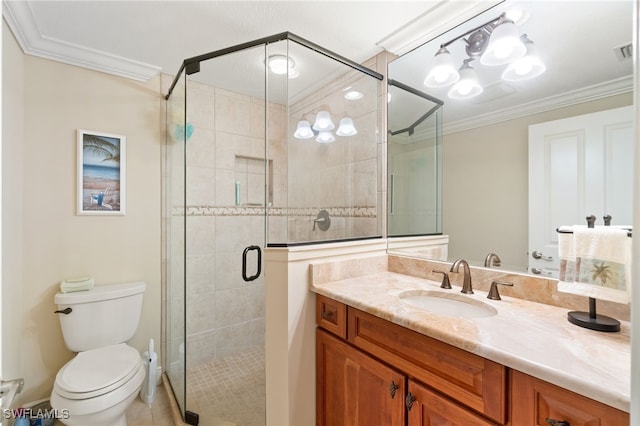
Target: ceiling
[[138, 39]]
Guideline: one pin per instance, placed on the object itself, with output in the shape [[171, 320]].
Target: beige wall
[[485, 185], [39, 184]]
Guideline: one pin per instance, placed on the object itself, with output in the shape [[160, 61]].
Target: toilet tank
[[105, 315]]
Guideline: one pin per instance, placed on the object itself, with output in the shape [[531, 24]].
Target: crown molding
[[586, 94], [21, 21]]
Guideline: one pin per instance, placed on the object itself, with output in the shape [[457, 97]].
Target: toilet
[[100, 382]]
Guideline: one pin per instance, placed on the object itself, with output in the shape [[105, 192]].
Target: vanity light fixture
[[529, 66], [322, 128], [443, 71], [283, 64], [468, 86], [494, 43]]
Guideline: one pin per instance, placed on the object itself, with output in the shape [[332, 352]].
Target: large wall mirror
[[520, 155]]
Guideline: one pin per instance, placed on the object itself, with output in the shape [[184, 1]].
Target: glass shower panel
[[225, 230], [414, 162], [177, 132], [333, 145]]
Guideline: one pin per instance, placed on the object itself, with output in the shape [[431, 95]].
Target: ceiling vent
[[623, 52]]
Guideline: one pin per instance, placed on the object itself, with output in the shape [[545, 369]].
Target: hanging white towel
[[595, 262]]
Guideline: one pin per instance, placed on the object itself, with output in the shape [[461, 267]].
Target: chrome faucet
[[492, 259], [466, 281]]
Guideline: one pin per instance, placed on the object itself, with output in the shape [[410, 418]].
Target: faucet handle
[[445, 279], [493, 291]]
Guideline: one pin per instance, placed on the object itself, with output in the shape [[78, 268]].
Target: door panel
[[577, 166]]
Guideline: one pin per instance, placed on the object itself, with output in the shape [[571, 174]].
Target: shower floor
[[229, 391]]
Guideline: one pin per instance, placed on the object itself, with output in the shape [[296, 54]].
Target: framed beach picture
[[101, 173]]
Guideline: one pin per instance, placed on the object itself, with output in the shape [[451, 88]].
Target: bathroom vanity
[[378, 357]]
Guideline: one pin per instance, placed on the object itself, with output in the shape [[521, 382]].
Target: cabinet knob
[[393, 388], [328, 315], [554, 422], [409, 400]]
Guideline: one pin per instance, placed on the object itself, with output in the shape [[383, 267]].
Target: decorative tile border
[[360, 212]]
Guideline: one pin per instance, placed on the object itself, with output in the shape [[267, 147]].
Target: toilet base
[[113, 416], [81, 412]]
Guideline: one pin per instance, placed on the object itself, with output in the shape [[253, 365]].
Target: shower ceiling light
[[282, 64], [351, 94]]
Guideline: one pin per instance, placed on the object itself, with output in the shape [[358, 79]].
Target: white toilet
[[105, 376]]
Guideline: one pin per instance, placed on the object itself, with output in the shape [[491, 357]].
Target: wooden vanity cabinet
[[355, 389], [428, 408], [537, 403], [355, 384], [360, 358]]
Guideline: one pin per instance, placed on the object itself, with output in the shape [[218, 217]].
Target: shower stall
[[273, 142]]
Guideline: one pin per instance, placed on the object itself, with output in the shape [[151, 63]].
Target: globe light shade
[[468, 86], [527, 67], [303, 130], [325, 137], [443, 71], [504, 44], [323, 122], [346, 128]]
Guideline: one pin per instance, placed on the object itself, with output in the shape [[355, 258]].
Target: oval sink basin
[[447, 304]]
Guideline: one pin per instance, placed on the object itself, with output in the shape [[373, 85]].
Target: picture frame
[[101, 167]]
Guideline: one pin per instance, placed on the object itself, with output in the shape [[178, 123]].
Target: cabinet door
[[428, 408], [534, 401], [353, 388]]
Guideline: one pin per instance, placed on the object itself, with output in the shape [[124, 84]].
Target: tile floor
[[224, 392]]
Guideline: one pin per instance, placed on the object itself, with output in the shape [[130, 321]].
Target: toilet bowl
[[97, 386], [100, 382]]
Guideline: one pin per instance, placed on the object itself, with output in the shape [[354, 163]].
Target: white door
[[578, 166]]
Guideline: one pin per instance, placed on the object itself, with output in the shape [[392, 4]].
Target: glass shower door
[[174, 242]]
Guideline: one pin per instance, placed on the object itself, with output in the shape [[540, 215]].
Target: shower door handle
[[244, 263]]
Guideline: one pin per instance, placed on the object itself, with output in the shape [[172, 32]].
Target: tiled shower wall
[[340, 177], [225, 197], [225, 213]]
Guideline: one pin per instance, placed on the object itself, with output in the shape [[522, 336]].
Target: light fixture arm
[[487, 26]]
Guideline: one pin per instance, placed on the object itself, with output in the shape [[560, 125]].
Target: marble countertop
[[530, 337]]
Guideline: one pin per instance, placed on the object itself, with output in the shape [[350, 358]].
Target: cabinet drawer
[[470, 379], [533, 401], [331, 315]]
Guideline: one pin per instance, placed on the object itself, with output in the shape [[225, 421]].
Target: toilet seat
[[98, 371]]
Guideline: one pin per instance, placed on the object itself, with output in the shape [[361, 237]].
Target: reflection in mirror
[[414, 167], [486, 204]]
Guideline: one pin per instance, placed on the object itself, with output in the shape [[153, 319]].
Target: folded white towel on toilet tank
[[76, 284]]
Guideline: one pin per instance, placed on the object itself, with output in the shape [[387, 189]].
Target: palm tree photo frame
[[101, 173]]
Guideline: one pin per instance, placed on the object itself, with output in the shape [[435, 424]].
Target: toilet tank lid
[[100, 292]]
